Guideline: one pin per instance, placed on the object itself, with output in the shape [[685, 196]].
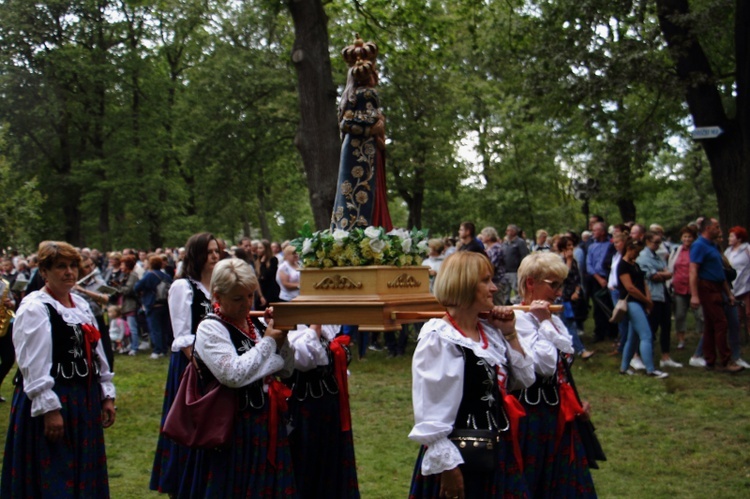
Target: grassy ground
[[685, 437]]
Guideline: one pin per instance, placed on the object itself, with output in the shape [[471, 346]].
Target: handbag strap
[[195, 358]]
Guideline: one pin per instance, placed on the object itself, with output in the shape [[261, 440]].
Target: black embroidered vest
[[68, 350], [252, 396], [200, 307], [481, 403], [316, 382]]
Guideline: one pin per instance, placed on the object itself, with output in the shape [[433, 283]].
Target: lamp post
[[583, 191]]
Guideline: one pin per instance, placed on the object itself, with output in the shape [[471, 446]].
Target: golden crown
[[359, 52]]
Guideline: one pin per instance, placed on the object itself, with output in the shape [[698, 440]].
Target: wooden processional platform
[[375, 298]]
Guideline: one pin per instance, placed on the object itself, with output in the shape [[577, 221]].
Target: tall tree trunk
[[729, 154], [626, 206], [100, 49], [417, 204], [64, 166], [415, 210], [620, 162], [317, 137], [262, 208]]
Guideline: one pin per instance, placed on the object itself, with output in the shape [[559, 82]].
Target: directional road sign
[[706, 132]]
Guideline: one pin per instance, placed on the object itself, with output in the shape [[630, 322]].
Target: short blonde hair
[[436, 245], [232, 272], [491, 234], [456, 283], [539, 266]]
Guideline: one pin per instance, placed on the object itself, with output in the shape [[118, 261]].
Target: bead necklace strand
[[250, 333], [482, 336]]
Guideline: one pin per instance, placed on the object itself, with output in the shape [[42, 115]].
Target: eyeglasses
[[555, 286]]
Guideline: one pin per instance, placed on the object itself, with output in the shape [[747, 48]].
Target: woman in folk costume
[[461, 371], [320, 419], [240, 354], [189, 302], [64, 394], [554, 459]]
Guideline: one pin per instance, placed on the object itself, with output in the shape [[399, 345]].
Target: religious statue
[[361, 199]]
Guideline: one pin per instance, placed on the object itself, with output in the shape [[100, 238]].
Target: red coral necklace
[[482, 336]]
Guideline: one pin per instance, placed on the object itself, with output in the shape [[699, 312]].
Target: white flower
[[340, 236], [406, 245], [422, 246], [377, 245], [400, 233], [372, 232], [307, 246]]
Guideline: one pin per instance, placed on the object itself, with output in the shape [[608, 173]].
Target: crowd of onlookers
[[661, 280]]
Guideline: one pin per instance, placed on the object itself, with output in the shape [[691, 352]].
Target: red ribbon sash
[[569, 409], [278, 393], [515, 412], [339, 366], [91, 336]]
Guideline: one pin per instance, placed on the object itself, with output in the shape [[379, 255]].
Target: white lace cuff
[[44, 402], [440, 456], [108, 390], [184, 341]]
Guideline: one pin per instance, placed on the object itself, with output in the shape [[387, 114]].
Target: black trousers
[[603, 329], [661, 318]]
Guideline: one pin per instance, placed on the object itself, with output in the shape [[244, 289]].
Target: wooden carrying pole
[[423, 316]]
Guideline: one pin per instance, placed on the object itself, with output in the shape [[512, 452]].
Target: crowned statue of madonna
[[361, 199]]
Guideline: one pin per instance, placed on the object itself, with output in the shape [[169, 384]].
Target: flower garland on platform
[[361, 247]]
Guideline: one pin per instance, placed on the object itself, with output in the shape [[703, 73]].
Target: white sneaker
[[132, 353], [669, 363], [144, 346], [637, 364], [658, 374], [155, 355], [697, 362], [742, 363]]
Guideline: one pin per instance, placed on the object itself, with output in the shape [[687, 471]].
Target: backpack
[[162, 289]]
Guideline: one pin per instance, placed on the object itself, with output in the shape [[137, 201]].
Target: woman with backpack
[[154, 290]]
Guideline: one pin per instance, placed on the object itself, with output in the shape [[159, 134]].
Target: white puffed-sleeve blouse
[[180, 302], [543, 340], [437, 385], [216, 350], [32, 339]]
